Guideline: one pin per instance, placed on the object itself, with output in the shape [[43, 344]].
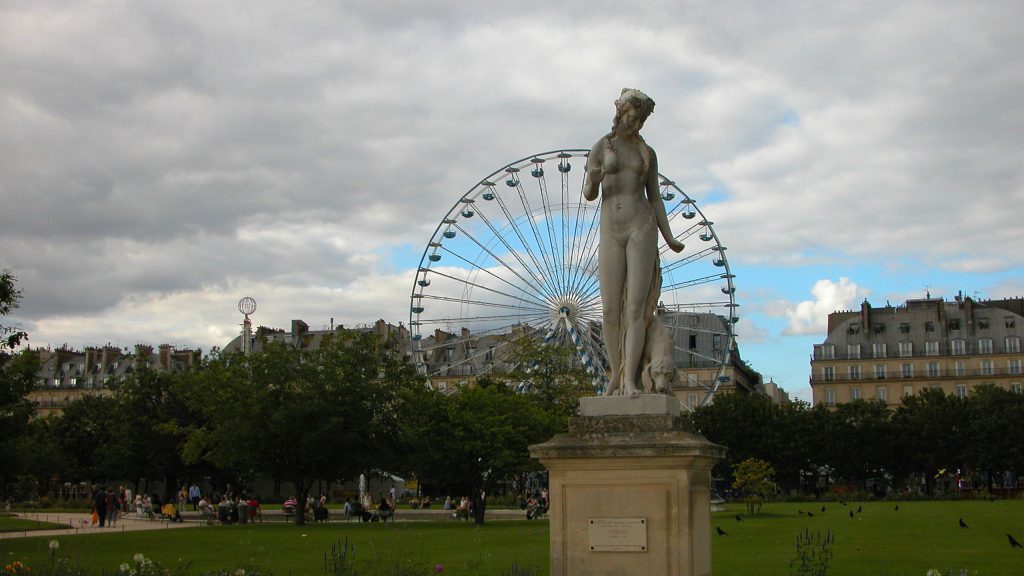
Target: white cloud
[[811, 316]]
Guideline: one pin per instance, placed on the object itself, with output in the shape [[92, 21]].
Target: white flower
[[139, 558], [933, 572], [123, 568], [54, 545]]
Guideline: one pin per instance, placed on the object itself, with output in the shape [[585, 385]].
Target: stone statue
[[632, 214]]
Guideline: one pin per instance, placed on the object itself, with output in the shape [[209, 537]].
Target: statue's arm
[[595, 171], [654, 196]]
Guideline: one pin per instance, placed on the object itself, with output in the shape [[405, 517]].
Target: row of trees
[[332, 413], [865, 442], [349, 408]]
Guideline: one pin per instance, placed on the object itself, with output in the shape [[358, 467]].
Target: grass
[[287, 549], [876, 542], [12, 524]]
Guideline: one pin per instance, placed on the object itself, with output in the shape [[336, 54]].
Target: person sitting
[[425, 502], [414, 503], [384, 510], [289, 506], [463, 512], [205, 511], [253, 508]]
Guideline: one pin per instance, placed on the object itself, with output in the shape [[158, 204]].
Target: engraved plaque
[[618, 534]]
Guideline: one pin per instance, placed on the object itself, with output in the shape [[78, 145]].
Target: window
[[854, 372], [691, 400], [881, 393], [958, 347], [830, 395], [877, 350], [931, 348], [853, 329], [907, 370], [1013, 366], [929, 326], [693, 342], [954, 324], [74, 382], [961, 390], [906, 349], [959, 368], [879, 371], [988, 367], [878, 328], [855, 393], [1012, 344], [853, 350], [828, 351], [908, 390], [717, 342], [1015, 387], [982, 323], [829, 373], [1009, 321], [984, 346], [933, 370], [904, 328]]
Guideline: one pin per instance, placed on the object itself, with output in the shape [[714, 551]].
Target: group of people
[[314, 509], [230, 509], [535, 503], [110, 504]]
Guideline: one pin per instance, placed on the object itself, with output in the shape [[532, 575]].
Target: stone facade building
[[66, 375], [888, 352]]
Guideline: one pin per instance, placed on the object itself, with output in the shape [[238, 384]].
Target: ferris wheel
[[517, 254]]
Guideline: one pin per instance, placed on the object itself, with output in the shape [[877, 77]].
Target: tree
[[552, 373], [474, 440], [994, 422], [859, 435], [151, 423], [932, 430], [18, 373], [298, 414], [753, 477]]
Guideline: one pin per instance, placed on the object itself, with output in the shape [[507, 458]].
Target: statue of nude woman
[[632, 214]]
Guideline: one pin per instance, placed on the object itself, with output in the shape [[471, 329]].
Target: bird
[[810, 514], [822, 508], [720, 531], [963, 524], [897, 508], [738, 519], [859, 509], [843, 502], [851, 513], [800, 512], [1013, 541]]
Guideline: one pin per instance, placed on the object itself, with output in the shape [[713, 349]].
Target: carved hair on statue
[[643, 103]]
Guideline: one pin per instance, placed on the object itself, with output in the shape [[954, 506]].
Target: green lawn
[[12, 524], [877, 542]]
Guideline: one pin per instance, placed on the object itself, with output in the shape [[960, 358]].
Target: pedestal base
[[629, 493]]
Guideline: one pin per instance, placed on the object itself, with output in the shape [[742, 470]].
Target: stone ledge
[[638, 405]]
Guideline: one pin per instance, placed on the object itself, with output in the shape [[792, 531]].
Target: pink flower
[[438, 568]]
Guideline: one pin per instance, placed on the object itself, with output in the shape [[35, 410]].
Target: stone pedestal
[[629, 490]]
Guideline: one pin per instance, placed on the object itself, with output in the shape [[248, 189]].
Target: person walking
[[100, 502], [195, 495]]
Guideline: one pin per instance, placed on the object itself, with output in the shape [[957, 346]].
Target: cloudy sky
[[160, 160]]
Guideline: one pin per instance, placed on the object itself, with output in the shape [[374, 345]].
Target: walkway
[[79, 523]]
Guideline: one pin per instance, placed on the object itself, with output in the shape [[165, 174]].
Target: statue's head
[[637, 100]]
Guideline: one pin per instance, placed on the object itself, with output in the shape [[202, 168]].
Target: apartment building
[[888, 352]]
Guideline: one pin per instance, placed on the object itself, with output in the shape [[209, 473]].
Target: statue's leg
[[611, 261], [642, 256]]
